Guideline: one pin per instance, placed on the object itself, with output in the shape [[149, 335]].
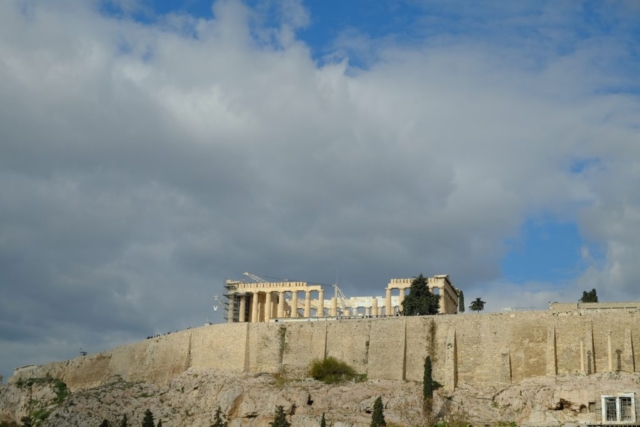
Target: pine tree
[[123, 423], [420, 300], [159, 424], [323, 422], [217, 421], [477, 305], [461, 302], [280, 419], [104, 423], [377, 418], [590, 296], [147, 421]]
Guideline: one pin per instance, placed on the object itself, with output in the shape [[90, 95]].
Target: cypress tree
[[377, 418], [461, 302], [427, 387], [280, 419], [159, 423], [104, 423], [217, 421], [323, 422], [123, 423], [148, 419]]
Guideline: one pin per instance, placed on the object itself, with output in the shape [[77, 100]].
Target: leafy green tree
[[377, 418], [104, 423], [26, 421], [420, 300], [123, 423], [477, 305], [461, 302], [147, 421], [323, 422], [590, 296], [280, 419], [217, 421]]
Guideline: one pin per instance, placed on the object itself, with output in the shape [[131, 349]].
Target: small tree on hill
[[590, 296], [104, 423], [461, 302], [377, 418], [477, 305], [147, 421], [280, 419], [26, 421], [159, 423], [217, 420], [420, 300], [123, 423], [323, 422], [427, 387]]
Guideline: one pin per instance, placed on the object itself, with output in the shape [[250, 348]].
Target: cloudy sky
[[150, 149]]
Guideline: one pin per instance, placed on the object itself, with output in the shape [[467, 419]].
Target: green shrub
[[331, 370]]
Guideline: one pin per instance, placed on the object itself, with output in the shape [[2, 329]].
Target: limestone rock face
[[191, 399]]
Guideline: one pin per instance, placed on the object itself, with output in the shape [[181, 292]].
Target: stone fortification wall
[[470, 348]]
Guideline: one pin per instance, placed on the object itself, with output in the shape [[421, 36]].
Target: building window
[[610, 409], [626, 413], [618, 409]]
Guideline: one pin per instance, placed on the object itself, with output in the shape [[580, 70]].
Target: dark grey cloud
[[134, 180]]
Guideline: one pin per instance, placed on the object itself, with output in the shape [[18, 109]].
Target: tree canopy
[[590, 296], [420, 300], [477, 305], [461, 302]]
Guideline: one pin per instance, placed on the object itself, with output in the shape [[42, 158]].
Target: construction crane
[[341, 300], [254, 277]]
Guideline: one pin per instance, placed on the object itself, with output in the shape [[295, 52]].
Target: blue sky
[[151, 149]]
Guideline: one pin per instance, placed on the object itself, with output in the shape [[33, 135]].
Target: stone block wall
[[469, 348]]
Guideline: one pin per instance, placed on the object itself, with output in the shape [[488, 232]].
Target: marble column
[[243, 308], [294, 304], [388, 308], [254, 307], [267, 307], [334, 307], [280, 304], [320, 306], [307, 304], [374, 307], [610, 351], [401, 298], [232, 306]]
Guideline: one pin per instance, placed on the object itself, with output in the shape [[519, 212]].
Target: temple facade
[[256, 302]]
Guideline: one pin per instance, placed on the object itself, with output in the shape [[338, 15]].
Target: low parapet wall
[[470, 348]]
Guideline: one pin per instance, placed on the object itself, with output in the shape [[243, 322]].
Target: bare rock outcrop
[[191, 399]]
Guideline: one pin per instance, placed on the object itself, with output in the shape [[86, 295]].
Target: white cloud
[[142, 164]]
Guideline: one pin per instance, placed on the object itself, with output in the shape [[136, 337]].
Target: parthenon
[[255, 302]]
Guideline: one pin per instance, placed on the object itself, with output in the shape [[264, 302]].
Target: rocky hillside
[[249, 400]]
